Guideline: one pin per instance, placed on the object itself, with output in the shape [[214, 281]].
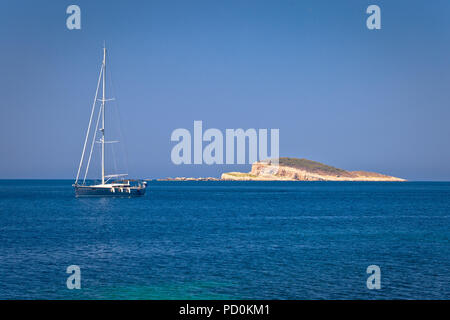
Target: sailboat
[[108, 186]]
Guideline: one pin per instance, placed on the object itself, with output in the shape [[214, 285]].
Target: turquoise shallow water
[[227, 240]]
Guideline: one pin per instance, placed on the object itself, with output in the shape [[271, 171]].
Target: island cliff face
[[293, 169]]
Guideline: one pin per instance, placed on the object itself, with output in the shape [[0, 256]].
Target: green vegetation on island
[[311, 166]]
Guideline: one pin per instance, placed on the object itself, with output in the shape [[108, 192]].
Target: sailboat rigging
[[105, 188]]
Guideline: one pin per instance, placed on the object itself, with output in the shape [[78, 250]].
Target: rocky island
[[293, 169]]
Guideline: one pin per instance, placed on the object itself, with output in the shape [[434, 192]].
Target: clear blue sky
[[339, 93]]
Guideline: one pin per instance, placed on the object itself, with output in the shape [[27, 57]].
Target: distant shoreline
[[199, 179], [294, 169]]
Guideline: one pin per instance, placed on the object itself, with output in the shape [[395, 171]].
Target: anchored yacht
[[108, 186]]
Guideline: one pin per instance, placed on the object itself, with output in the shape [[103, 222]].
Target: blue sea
[[227, 240]]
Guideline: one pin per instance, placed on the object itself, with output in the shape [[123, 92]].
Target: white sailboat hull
[[109, 190]]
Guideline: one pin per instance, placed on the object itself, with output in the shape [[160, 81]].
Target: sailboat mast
[[103, 115]]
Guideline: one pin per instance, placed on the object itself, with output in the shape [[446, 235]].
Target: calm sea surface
[[227, 240]]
